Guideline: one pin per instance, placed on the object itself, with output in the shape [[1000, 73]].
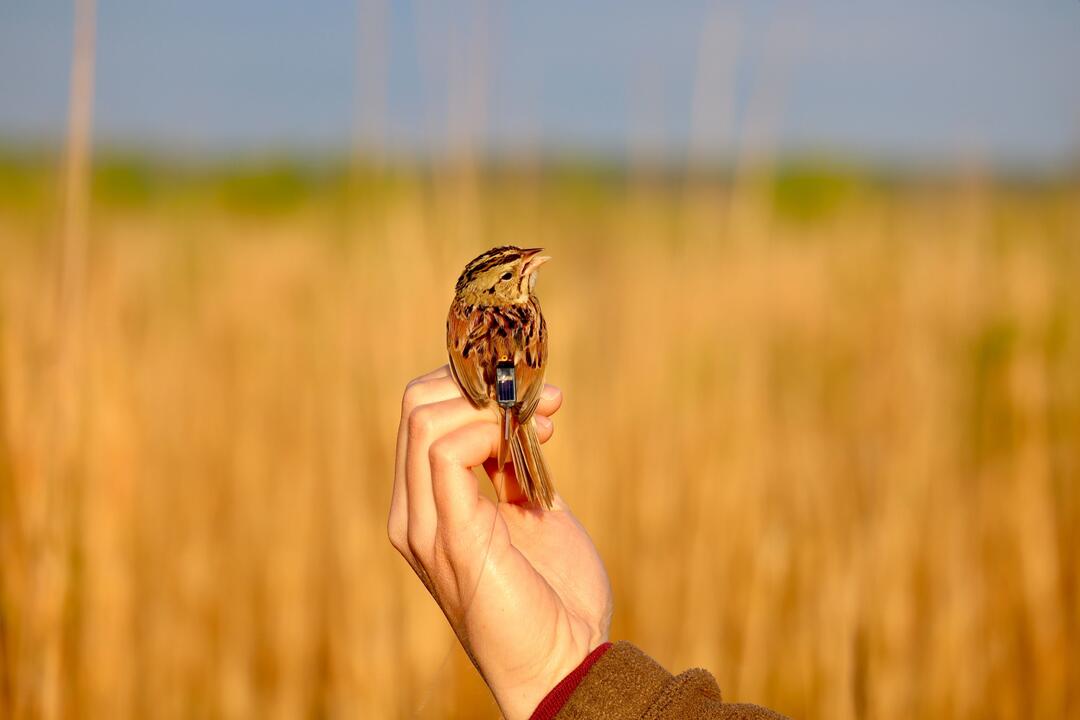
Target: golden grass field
[[828, 445]]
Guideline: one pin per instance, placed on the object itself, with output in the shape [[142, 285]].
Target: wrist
[[521, 699], [553, 702]]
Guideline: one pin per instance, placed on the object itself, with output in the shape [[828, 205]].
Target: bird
[[496, 338]]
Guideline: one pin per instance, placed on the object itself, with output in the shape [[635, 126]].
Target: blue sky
[[919, 80]]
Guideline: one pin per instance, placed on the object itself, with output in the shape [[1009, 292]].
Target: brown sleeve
[[626, 684]]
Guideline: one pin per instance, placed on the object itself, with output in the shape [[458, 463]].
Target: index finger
[[396, 522], [441, 371]]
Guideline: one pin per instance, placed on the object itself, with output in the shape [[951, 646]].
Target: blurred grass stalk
[[37, 665], [831, 451]]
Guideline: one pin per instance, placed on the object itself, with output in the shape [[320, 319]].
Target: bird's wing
[[463, 332], [530, 366]]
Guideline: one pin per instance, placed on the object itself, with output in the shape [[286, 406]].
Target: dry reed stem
[[47, 661]]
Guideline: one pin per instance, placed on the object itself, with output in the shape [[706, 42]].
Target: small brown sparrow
[[497, 340]]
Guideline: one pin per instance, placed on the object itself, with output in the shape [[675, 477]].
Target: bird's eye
[[507, 276]]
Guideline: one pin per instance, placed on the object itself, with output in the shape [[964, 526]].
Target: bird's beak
[[534, 260]]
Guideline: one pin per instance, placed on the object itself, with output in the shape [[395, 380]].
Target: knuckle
[[441, 454], [400, 543], [451, 540], [395, 531], [415, 545], [421, 422], [410, 398]]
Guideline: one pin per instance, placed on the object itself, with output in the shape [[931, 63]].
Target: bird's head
[[500, 276]]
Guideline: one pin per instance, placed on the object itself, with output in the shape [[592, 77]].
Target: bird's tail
[[529, 467]]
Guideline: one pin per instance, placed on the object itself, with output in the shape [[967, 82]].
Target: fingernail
[[550, 392], [544, 422]]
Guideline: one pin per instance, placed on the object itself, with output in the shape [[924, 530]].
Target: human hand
[[524, 589]]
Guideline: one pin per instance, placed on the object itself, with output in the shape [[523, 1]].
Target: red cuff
[[550, 706]]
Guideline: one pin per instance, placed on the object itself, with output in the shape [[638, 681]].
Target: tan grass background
[[834, 460]]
